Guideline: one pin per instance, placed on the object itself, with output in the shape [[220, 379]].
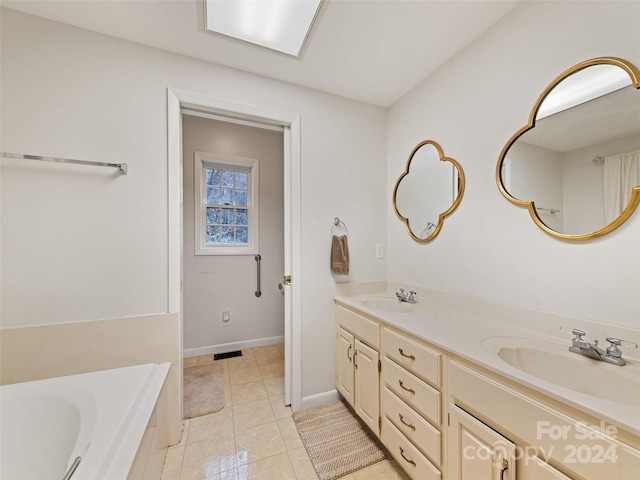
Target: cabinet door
[[344, 365], [367, 391], [476, 452], [532, 468]]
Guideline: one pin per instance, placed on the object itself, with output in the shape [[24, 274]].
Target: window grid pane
[[227, 211], [213, 176]]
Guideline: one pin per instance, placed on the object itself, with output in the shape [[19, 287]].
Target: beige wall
[[490, 248], [81, 243], [536, 174]]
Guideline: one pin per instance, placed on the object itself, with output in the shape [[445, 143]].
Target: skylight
[[281, 25]]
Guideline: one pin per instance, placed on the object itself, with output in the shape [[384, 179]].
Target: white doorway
[[239, 113], [233, 254]]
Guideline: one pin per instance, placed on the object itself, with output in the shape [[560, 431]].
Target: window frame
[[204, 160]]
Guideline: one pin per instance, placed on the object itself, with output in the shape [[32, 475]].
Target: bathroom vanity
[[456, 388]]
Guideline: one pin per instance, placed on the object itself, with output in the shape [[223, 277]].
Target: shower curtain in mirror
[[621, 174]]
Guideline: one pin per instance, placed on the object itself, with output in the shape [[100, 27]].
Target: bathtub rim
[[122, 443]]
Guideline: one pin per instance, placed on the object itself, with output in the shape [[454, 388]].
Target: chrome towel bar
[[72, 468], [21, 156]]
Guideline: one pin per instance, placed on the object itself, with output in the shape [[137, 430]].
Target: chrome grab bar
[[258, 258], [72, 468]]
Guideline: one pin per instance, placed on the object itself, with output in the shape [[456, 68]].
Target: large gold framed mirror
[[576, 164], [428, 190]]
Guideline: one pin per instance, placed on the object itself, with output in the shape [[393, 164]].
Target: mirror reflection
[[579, 159], [428, 190]]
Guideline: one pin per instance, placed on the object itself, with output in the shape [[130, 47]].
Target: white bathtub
[[99, 417]]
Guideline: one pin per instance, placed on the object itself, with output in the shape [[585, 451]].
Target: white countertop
[[461, 333]]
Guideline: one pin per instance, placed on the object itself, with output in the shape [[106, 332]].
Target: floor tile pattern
[[252, 438]]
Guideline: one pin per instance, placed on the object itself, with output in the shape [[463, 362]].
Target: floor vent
[[222, 356]]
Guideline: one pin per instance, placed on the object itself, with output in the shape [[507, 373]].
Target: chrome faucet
[[612, 354], [407, 297]]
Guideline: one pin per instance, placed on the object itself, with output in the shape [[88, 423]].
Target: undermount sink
[[387, 304], [552, 362]]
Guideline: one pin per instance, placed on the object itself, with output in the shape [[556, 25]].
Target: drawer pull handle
[[355, 364], [411, 390], [412, 357], [405, 458], [412, 427], [348, 351]]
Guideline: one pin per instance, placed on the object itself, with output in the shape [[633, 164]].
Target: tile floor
[[253, 437]]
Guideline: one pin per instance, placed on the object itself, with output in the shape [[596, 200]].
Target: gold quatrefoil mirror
[[429, 189], [576, 164]]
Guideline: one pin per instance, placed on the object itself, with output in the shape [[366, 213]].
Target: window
[[226, 204]]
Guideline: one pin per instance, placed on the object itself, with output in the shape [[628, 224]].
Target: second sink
[[553, 363]]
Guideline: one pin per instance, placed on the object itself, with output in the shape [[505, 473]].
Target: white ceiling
[[369, 50]]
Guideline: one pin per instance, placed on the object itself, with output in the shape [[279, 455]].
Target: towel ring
[[340, 224]]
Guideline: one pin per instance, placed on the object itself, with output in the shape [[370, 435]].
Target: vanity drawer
[[420, 396], [367, 330], [420, 432], [417, 358], [407, 456]]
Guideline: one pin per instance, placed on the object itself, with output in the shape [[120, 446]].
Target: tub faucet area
[[407, 297], [612, 354]]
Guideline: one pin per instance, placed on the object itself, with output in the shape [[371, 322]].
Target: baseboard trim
[[320, 399], [230, 347]]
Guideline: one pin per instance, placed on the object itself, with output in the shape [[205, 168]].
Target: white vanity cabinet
[[358, 364], [443, 416], [412, 404], [345, 371], [536, 469], [552, 441], [477, 451]]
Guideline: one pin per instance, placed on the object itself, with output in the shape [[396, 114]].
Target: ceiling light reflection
[[583, 86]]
